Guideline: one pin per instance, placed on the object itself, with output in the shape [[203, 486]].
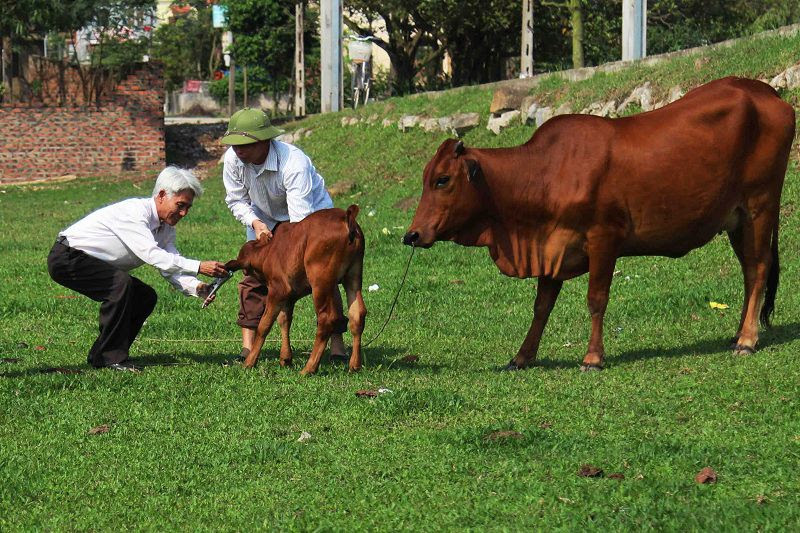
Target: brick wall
[[124, 133]]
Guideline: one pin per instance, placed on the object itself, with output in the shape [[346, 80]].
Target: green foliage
[[188, 47]]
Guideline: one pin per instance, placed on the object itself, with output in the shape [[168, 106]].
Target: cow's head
[[450, 197]]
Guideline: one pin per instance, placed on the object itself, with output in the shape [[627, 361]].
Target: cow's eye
[[441, 182]]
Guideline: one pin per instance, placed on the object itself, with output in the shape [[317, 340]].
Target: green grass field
[[193, 444]]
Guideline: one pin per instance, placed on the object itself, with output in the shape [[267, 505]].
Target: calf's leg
[[325, 307], [356, 313], [546, 295], [264, 326], [285, 322]]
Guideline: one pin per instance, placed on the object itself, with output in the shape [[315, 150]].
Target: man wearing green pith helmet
[[268, 182]]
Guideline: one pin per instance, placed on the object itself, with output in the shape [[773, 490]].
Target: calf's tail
[[233, 265], [772, 282], [352, 226]]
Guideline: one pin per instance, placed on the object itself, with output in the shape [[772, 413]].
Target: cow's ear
[[459, 148], [473, 169]]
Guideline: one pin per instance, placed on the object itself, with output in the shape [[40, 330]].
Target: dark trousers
[[252, 302], [125, 302]]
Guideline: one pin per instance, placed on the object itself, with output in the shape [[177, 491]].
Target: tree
[[117, 25], [576, 26], [264, 41], [410, 41], [468, 30], [189, 47]]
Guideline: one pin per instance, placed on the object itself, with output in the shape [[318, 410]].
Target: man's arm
[[136, 235], [190, 285], [237, 196]]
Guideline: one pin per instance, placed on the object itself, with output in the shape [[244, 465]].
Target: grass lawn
[[454, 444]]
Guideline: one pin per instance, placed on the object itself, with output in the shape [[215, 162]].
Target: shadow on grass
[[773, 337]]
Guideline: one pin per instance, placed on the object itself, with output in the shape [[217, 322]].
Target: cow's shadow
[[772, 337]]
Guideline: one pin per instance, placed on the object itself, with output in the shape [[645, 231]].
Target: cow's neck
[[514, 225]]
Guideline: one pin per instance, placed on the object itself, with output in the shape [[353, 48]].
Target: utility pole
[[232, 88], [331, 37], [299, 61], [526, 51], [634, 29]]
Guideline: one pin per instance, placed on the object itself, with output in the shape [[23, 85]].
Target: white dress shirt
[[286, 187], [128, 234]]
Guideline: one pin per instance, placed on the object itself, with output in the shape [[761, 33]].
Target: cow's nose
[[410, 238]]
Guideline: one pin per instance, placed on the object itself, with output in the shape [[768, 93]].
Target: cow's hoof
[[591, 368], [512, 366], [741, 349], [734, 342]]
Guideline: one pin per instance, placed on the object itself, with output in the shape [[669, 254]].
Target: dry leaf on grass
[[364, 393], [706, 475], [61, 371], [545, 425], [410, 359], [717, 305], [618, 476], [40, 348], [590, 471], [506, 434], [99, 430], [9, 360]]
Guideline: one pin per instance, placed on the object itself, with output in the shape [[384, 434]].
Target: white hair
[[173, 180]]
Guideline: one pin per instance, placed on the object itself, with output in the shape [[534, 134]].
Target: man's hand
[[203, 289], [261, 228], [214, 269]]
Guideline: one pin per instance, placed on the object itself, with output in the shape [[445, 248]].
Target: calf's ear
[[473, 169]]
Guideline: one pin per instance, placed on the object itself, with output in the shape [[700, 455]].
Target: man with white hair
[[94, 255]]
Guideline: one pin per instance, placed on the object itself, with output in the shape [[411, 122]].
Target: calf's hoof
[[741, 349], [592, 361], [286, 363], [355, 368]]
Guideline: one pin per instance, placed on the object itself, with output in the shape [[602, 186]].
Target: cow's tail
[[352, 225], [772, 281]]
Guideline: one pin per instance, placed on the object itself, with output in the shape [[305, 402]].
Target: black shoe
[[339, 359], [242, 356], [126, 366]]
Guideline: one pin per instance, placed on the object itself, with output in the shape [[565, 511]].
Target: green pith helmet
[[249, 125]]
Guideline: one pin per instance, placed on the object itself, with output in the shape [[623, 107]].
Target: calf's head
[[450, 197]]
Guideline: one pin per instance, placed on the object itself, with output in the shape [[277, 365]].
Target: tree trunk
[[7, 69], [576, 20]]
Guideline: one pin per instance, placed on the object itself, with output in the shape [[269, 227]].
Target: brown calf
[[309, 257]]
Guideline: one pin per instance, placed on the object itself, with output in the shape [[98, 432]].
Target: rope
[[389, 317], [405, 274]]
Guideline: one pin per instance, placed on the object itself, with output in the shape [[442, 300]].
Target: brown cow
[[585, 190], [308, 257]]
